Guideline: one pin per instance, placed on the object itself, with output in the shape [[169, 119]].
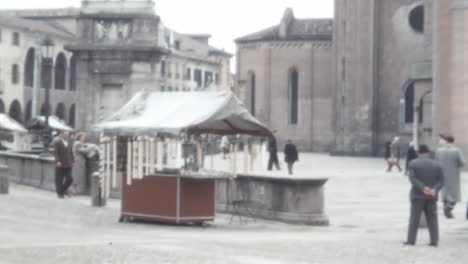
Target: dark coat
[[272, 147], [63, 154], [424, 172], [290, 153], [410, 155]]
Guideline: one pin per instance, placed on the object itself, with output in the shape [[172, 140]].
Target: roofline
[[328, 38], [28, 30]]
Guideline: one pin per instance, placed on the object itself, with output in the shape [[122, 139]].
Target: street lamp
[[47, 47]]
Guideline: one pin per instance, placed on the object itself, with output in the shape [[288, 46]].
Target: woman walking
[[80, 151]]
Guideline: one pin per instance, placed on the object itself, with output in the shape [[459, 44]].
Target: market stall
[[154, 147], [13, 136]]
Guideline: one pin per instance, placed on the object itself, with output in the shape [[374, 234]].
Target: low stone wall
[[297, 201], [29, 169]]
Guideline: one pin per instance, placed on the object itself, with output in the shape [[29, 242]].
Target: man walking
[[63, 164], [273, 150], [451, 159], [290, 155], [426, 179]]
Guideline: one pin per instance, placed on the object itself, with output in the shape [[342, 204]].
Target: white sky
[[225, 20]]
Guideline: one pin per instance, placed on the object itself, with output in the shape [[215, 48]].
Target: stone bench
[[4, 179]]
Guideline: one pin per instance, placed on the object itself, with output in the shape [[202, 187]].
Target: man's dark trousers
[[273, 160], [429, 207], [63, 180]]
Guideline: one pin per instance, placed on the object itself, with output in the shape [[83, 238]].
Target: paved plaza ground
[[368, 210]]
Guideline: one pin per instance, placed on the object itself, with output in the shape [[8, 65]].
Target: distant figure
[[452, 160], [224, 145], [290, 155], [80, 152], [273, 150], [392, 154], [63, 163], [410, 155], [426, 177]]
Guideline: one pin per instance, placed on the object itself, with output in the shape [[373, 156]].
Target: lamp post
[[47, 47]]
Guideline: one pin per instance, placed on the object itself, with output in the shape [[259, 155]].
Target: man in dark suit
[[427, 179], [63, 164], [273, 150]]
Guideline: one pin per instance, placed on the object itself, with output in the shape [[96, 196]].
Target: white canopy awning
[[54, 122], [9, 124], [177, 112]]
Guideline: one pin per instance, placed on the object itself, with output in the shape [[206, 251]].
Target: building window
[[16, 39], [29, 68], [253, 92], [72, 116], [16, 112], [208, 79], [46, 76], [177, 44], [163, 88], [188, 75], [217, 78], [293, 97], [28, 113], [60, 71], [163, 68], [410, 104], [60, 111], [15, 74], [198, 78], [416, 19]]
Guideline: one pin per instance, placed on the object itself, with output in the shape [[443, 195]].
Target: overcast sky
[[225, 20]]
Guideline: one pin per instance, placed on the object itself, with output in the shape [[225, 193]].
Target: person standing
[[410, 155], [427, 178], [393, 154], [273, 151], [224, 145], [290, 155], [79, 171], [452, 160], [63, 163]]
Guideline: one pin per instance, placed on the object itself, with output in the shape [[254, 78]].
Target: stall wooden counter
[[170, 198]]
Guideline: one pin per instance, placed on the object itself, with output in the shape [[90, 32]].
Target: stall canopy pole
[[129, 161], [135, 158], [114, 163], [151, 156], [246, 159]]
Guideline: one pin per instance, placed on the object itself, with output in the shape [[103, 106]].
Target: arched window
[[15, 74], [15, 111], [71, 116], [410, 103], [253, 92], [416, 19], [45, 109], [60, 71], [29, 68], [2, 106], [28, 113], [293, 97], [73, 73], [60, 111]]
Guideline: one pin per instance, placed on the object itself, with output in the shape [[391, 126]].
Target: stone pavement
[[368, 210]]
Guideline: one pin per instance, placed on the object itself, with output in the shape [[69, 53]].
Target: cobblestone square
[[368, 210]]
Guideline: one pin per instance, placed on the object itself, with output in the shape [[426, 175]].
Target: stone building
[[21, 69], [284, 76], [106, 51], [361, 75]]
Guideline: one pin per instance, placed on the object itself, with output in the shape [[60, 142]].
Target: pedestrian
[[80, 152], [63, 163], [290, 155], [410, 155], [273, 151], [392, 150], [426, 177], [452, 160]]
